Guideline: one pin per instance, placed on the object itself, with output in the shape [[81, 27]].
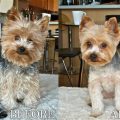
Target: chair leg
[[69, 78], [53, 62], [70, 66], [80, 72]]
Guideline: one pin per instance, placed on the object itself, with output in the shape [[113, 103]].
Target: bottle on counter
[[67, 2], [83, 2], [90, 1], [25, 13], [70, 2], [32, 15], [76, 2]]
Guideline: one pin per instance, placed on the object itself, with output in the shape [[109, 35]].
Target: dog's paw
[[9, 105], [117, 107], [96, 113], [31, 101], [117, 103], [88, 101]]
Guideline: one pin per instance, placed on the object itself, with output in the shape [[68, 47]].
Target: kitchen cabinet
[[48, 5], [53, 5]]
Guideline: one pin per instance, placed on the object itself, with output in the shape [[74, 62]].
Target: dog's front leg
[[8, 101], [7, 98], [95, 91], [33, 95]]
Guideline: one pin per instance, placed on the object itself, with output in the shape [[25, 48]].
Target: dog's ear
[[13, 15], [86, 22], [112, 25], [43, 24]]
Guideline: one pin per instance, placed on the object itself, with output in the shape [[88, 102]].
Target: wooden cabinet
[[53, 5], [49, 5]]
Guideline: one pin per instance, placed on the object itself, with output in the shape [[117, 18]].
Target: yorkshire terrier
[[99, 49], [22, 46]]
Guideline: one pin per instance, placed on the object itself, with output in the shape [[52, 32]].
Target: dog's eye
[[17, 37], [29, 40], [103, 45], [89, 44]]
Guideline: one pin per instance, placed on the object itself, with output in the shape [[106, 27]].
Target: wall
[[98, 15]]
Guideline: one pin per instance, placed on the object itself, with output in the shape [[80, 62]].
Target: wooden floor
[[63, 79], [59, 69]]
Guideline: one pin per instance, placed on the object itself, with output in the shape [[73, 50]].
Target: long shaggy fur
[[22, 48]]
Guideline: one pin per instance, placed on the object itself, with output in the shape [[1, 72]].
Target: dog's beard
[[28, 58]]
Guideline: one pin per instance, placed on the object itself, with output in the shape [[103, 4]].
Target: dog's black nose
[[93, 57], [21, 50]]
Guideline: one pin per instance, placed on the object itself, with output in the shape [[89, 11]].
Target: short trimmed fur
[[98, 46]]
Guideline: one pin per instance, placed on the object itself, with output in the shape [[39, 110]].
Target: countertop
[[89, 7], [53, 23]]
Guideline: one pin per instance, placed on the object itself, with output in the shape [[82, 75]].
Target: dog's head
[[23, 41], [98, 42]]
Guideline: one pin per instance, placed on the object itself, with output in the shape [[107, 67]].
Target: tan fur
[[98, 46], [98, 34], [19, 79], [25, 30]]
